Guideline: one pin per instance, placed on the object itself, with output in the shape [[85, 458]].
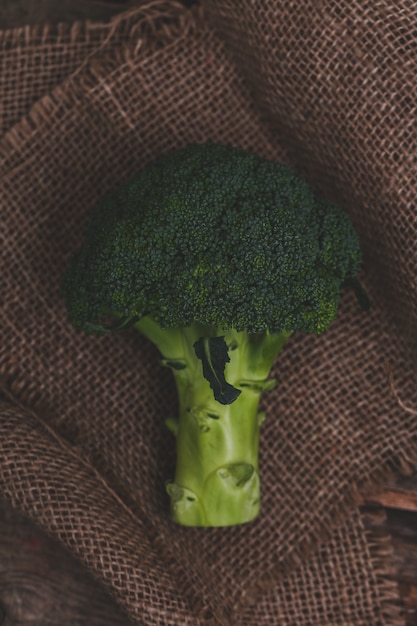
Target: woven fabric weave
[[83, 449]]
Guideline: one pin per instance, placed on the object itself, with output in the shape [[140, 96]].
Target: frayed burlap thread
[[334, 430], [36, 58]]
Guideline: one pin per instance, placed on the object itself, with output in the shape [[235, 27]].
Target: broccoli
[[217, 256]]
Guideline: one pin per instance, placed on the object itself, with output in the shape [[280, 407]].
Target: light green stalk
[[217, 477]]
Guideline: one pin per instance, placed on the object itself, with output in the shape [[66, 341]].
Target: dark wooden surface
[[398, 503], [15, 13], [41, 584]]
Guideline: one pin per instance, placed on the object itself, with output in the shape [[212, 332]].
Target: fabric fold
[[334, 428]]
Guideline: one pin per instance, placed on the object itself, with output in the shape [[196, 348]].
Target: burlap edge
[[382, 556], [62, 32], [153, 25], [380, 548], [31, 35], [183, 21]]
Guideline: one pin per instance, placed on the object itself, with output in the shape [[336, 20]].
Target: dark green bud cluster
[[215, 235]]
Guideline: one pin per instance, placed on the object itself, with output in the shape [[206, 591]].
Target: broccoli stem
[[217, 478]]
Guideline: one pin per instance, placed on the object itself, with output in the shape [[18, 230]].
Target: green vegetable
[[217, 256]]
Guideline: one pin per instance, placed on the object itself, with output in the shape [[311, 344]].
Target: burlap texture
[[35, 59], [42, 583], [326, 87]]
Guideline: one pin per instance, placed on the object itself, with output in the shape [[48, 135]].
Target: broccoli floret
[[217, 256]]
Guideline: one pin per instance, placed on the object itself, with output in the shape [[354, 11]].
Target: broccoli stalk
[[217, 477], [217, 256]]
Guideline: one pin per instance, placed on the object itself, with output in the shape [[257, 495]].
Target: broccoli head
[[217, 256]]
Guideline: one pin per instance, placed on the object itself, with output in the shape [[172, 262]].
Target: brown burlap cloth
[[330, 87]]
